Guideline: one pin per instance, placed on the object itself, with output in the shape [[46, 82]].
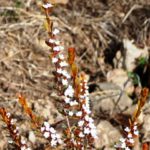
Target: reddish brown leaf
[[71, 55]]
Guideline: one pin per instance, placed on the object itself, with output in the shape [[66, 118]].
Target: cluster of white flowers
[[129, 140], [51, 134], [23, 143], [59, 59], [86, 124]]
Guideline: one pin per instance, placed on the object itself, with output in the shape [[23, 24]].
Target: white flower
[[69, 91], [81, 135], [122, 140], [127, 129], [61, 56], [127, 148], [46, 134], [59, 70], [23, 147], [54, 60], [53, 136], [47, 126], [135, 128], [58, 48], [67, 100], [12, 121], [48, 5], [94, 133], [64, 82], [57, 136], [87, 118], [131, 140], [53, 143], [70, 113], [56, 31], [42, 129], [23, 141], [51, 41], [91, 120], [86, 130], [129, 135], [81, 123], [79, 114], [59, 141], [8, 114], [136, 132], [73, 103], [57, 42], [52, 130], [66, 74], [63, 64], [92, 126]]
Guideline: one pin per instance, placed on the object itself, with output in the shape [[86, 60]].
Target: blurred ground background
[[112, 41]]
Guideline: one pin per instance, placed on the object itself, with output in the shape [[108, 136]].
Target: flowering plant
[[73, 90]]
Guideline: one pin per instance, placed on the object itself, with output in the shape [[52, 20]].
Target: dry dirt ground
[[112, 41]]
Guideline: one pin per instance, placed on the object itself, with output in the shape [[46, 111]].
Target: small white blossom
[[59, 70], [67, 100], [122, 140], [57, 42], [63, 64], [53, 143], [136, 132], [69, 91], [52, 41], [66, 74], [23, 147], [23, 141], [94, 133], [127, 148], [58, 48], [81, 135], [42, 129], [86, 130], [81, 123], [52, 130], [64, 82], [56, 31], [70, 113], [92, 126], [73, 103], [54, 60], [48, 5], [79, 114], [61, 56], [46, 134], [131, 140], [127, 129], [129, 135], [8, 115]]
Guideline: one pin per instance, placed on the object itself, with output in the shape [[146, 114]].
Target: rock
[[110, 95], [132, 53], [32, 137], [120, 78], [107, 135]]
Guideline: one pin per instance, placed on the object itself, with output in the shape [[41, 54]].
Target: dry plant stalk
[[132, 132], [28, 110], [13, 130]]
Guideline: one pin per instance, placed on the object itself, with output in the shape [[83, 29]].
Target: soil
[[100, 31]]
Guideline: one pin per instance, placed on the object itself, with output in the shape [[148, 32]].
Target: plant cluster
[[74, 99]]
